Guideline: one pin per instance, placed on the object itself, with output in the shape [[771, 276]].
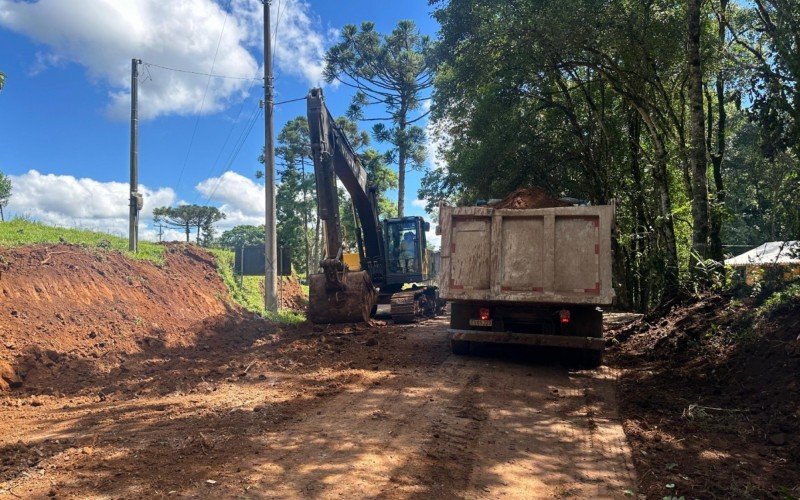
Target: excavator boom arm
[[334, 158]]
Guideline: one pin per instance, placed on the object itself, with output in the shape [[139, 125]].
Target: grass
[[247, 292], [19, 231], [780, 300]]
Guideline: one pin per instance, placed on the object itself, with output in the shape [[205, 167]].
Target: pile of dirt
[[531, 197], [65, 307], [291, 294], [710, 399]]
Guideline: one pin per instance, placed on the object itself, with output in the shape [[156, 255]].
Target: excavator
[[392, 258]]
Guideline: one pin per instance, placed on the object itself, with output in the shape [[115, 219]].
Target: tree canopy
[[394, 73], [188, 217], [684, 113], [5, 194]]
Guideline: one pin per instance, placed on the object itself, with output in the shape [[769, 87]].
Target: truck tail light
[[563, 317], [483, 313]]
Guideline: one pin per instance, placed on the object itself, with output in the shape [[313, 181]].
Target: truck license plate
[[480, 322]]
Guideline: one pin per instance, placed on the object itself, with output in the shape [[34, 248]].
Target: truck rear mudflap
[[532, 339]]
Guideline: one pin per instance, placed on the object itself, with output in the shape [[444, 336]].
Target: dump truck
[[527, 276]]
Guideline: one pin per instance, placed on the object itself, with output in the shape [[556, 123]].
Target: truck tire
[[459, 347], [591, 358], [591, 325], [459, 316]]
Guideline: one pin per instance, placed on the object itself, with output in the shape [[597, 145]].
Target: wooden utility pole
[[271, 251], [135, 197]]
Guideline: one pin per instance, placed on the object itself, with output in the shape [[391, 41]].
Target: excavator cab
[[406, 250]]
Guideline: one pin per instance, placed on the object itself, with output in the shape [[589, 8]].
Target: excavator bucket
[[351, 305]]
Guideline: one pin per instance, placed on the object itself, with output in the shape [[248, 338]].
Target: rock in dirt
[[9, 379], [532, 197], [778, 439]]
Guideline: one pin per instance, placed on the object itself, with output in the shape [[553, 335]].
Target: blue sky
[[64, 116]]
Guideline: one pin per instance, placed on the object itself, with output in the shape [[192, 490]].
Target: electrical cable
[[235, 152], [211, 75], [202, 104]]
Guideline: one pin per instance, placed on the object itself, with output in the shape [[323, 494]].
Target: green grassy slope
[[18, 232], [247, 294]]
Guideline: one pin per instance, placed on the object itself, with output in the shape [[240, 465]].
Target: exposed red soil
[[531, 197], [141, 382], [290, 294], [63, 305], [711, 400]]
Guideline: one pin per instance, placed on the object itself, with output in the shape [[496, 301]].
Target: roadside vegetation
[[245, 292], [21, 231]]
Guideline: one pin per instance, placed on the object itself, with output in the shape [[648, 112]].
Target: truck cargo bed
[[545, 256]]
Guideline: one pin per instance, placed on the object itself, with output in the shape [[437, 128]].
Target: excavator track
[[408, 306]]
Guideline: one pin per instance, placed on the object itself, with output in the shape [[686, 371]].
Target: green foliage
[[188, 217], [239, 236], [247, 293], [590, 99], [2, 80], [391, 71], [19, 232], [5, 192], [780, 300]]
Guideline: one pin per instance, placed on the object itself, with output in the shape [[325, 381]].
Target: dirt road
[[371, 411]]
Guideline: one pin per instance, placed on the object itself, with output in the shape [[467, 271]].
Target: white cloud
[[103, 36], [438, 139], [242, 200], [64, 200], [298, 45], [419, 203]]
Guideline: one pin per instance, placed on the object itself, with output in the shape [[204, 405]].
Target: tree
[[700, 219], [206, 217], [5, 194], [240, 236], [2, 80], [392, 71], [187, 217]]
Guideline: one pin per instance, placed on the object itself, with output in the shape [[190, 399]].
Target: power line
[[210, 75], [235, 152], [202, 103], [290, 100]]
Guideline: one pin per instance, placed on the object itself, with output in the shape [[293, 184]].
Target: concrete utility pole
[[271, 251], [135, 198]]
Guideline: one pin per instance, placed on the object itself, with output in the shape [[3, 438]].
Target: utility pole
[[271, 251], [135, 198]]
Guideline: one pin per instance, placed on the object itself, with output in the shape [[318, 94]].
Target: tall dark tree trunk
[[718, 155], [667, 223], [642, 286], [402, 156], [697, 155], [2, 216], [188, 230]]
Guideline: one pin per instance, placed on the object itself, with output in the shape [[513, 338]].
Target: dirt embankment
[[710, 399], [66, 308]]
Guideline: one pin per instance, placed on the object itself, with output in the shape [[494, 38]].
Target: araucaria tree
[[5, 194], [188, 217], [392, 72]]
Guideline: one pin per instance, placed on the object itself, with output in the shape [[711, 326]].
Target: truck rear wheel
[[591, 358], [459, 347]]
